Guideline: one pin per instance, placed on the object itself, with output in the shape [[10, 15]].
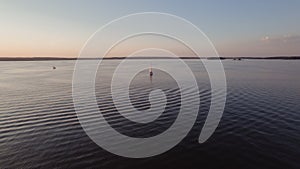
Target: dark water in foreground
[[260, 127]]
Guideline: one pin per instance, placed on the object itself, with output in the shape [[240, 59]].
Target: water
[[259, 128]]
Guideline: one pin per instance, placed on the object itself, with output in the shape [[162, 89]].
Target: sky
[[35, 28]]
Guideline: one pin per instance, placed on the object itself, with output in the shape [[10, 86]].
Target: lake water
[[260, 127]]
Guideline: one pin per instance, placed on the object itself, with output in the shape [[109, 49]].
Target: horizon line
[[49, 58]]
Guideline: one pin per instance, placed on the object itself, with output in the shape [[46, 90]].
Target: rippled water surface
[[260, 127]]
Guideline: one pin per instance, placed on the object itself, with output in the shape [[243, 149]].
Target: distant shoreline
[[118, 58]]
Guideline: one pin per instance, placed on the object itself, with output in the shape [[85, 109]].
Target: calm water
[[260, 127]]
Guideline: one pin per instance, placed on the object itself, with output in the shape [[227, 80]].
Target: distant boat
[[239, 59], [53, 67]]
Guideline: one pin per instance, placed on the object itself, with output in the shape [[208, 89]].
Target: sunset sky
[[236, 27]]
